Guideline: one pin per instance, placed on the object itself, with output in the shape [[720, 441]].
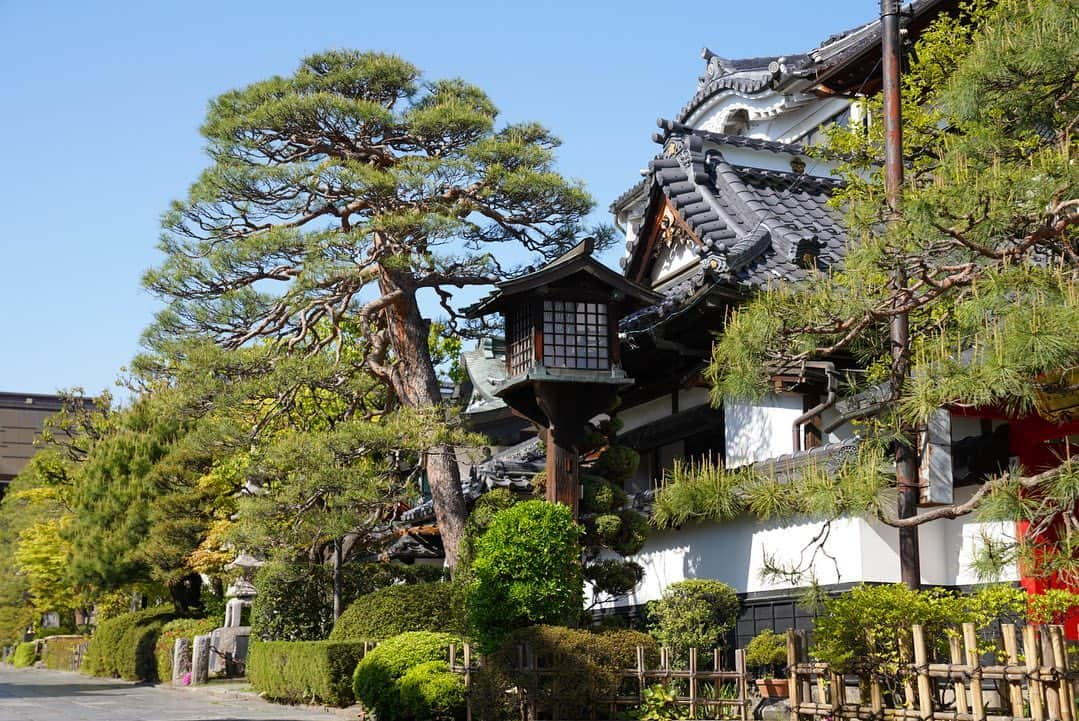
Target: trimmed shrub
[[295, 601], [304, 671], [586, 667], [179, 628], [697, 613], [397, 609], [58, 652], [431, 692], [766, 653], [25, 654], [124, 646], [527, 570], [375, 682]]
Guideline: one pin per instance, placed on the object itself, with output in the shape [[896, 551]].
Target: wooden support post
[[1051, 689], [921, 664], [1060, 663], [906, 657], [839, 693], [1011, 650], [468, 682], [742, 683], [955, 651], [693, 683], [970, 641], [1030, 650], [642, 682], [794, 689]]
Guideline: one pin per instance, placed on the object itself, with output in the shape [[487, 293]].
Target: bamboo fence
[[1039, 685], [700, 688]]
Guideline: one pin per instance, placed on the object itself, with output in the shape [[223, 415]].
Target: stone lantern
[[562, 355], [241, 591]]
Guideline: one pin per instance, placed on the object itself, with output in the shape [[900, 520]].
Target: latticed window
[[521, 356], [575, 335]]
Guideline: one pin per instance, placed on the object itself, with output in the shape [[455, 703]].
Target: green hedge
[[304, 671], [58, 652], [378, 677], [25, 654], [586, 669], [124, 646], [179, 628], [397, 609]]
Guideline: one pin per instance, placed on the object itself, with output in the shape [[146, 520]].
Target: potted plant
[[766, 655]]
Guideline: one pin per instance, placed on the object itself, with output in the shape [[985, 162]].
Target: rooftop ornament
[[562, 361]]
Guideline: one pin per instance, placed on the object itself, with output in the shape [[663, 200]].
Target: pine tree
[[987, 241], [350, 191]]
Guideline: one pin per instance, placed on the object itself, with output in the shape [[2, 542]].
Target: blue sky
[[102, 102]]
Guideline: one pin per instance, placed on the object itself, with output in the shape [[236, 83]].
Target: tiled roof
[[755, 225]]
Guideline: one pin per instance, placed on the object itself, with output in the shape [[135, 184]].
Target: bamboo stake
[[1030, 650], [803, 658], [970, 640], [742, 684], [1011, 649], [792, 665], [1051, 688], [1060, 662], [905, 658], [921, 662], [693, 683], [956, 653], [468, 681]]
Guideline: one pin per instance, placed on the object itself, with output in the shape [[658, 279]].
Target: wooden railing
[[711, 693], [1039, 685]]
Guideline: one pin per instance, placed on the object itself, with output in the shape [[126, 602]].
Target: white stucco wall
[[759, 430], [734, 553]]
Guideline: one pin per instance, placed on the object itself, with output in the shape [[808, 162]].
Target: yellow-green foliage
[[25, 654], [431, 692], [396, 609], [58, 652], [304, 671], [124, 646], [180, 628]]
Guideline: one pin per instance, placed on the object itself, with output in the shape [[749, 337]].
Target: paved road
[[40, 695]]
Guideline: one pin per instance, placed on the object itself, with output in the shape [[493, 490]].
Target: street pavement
[[28, 694]]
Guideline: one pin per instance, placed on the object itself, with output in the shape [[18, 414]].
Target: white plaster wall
[[645, 413], [761, 430], [692, 398], [734, 553]]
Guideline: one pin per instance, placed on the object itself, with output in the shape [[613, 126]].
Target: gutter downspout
[[833, 383]]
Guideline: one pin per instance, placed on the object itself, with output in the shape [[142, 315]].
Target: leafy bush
[[25, 654], [600, 495], [304, 671], [179, 628], [586, 667], [295, 601], [431, 692], [527, 570], [376, 680], [123, 646], [766, 652], [886, 613], [696, 613], [617, 463], [396, 609], [58, 652]]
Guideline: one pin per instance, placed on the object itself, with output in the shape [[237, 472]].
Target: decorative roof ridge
[[641, 185], [675, 127]]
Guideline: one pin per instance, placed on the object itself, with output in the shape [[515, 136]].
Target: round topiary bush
[[527, 570], [394, 610], [431, 692], [696, 613], [375, 681]]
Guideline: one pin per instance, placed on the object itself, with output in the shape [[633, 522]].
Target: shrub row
[[304, 671], [124, 646], [25, 654], [58, 652], [178, 628], [396, 609]]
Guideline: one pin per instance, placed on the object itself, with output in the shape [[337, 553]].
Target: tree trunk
[[337, 579], [416, 384], [186, 593]]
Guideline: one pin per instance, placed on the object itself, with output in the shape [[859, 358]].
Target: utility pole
[[906, 461]]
